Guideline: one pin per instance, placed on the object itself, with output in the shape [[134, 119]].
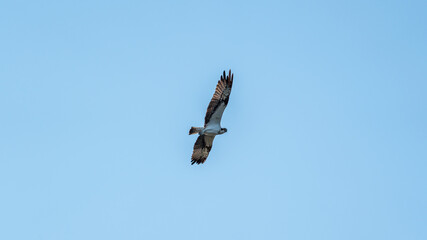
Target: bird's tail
[[194, 130]]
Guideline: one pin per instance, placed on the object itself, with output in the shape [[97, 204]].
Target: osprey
[[212, 127]]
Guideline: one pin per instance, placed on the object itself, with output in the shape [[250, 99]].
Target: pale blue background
[[327, 135]]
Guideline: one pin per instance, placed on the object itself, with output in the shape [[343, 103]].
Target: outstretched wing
[[219, 100], [201, 150]]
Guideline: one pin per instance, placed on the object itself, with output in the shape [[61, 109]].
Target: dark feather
[[201, 150], [193, 130], [221, 95]]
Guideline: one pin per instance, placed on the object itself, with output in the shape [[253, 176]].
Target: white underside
[[211, 130], [214, 125]]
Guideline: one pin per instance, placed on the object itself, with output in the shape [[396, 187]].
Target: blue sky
[[327, 135]]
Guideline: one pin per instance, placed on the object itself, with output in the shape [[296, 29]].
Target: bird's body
[[211, 131], [213, 117]]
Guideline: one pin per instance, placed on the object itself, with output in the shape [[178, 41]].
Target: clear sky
[[327, 120]]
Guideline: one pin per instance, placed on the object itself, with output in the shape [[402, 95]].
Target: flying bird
[[212, 126]]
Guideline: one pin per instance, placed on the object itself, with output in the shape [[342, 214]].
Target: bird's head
[[223, 130]]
